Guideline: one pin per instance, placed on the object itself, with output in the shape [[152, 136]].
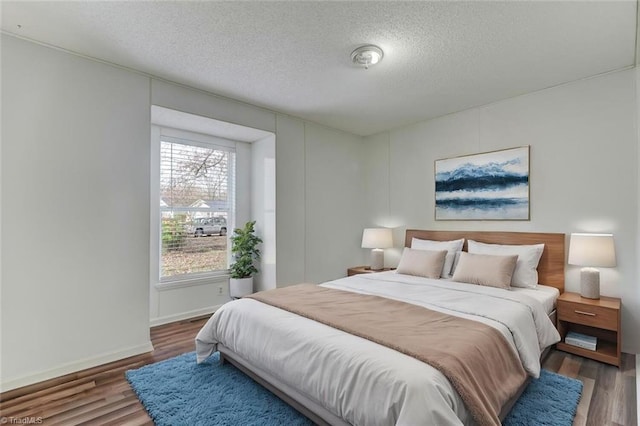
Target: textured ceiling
[[293, 57]]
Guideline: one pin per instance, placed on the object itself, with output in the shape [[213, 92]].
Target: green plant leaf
[[244, 248]]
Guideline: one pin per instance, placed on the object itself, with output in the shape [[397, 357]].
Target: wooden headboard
[[550, 268]]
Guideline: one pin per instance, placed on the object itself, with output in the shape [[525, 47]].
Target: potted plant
[[244, 248]]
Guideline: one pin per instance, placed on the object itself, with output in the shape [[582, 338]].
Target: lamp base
[[590, 283], [377, 259]]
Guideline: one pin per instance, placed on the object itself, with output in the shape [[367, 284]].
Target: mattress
[[544, 294], [361, 381]]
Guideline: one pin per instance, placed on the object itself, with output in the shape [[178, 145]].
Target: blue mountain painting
[[475, 187], [471, 177]]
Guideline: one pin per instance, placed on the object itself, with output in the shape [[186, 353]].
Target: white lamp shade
[[377, 238], [596, 250]]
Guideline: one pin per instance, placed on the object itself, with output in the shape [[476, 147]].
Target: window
[[196, 206]]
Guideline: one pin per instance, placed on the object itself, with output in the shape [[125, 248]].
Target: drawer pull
[[585, 313]]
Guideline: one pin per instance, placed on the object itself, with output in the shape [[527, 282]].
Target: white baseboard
[[76, 366], [183, 316]]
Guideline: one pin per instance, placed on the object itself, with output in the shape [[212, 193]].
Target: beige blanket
[[475, 357]]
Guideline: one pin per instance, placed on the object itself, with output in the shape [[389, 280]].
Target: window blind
[[196, 200]]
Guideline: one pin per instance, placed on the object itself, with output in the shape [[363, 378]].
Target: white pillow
[[456, 260], [526, 273], [450, 246], [421, 263]]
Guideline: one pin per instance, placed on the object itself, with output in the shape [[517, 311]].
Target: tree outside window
[[196, 199]]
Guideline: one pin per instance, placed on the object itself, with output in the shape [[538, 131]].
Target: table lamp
[[377, 239], [591, 250]]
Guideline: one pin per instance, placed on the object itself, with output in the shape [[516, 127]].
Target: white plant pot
[[239, 287]]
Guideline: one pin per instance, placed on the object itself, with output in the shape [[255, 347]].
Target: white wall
[[198, 102], [320, 202], [76, 161], [334, 202], [263, 209], [243, 185], [290, 205], [75, 192], [584, 172]]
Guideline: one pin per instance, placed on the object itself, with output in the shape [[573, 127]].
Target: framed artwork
[[488, 186]]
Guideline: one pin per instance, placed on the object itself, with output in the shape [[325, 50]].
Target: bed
[[337, 378]]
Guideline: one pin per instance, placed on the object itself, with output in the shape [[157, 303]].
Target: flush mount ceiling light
[[366, 56]]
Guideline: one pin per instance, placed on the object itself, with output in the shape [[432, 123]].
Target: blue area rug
[[551, 400], [178, 392]]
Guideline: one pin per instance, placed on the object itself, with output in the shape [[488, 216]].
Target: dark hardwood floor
[[609, 394], [102, 396]]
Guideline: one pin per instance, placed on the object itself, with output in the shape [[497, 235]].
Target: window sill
[[192, 281]]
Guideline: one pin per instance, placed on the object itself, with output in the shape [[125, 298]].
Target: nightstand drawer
[[595, 316]]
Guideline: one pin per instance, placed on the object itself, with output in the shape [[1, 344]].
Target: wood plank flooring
[[609, 394], [102, 396]]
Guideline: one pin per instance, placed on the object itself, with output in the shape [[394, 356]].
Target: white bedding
[[361, 381], [542, 293]]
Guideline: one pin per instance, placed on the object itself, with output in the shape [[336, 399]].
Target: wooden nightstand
[[595, 317], [364, 270]]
